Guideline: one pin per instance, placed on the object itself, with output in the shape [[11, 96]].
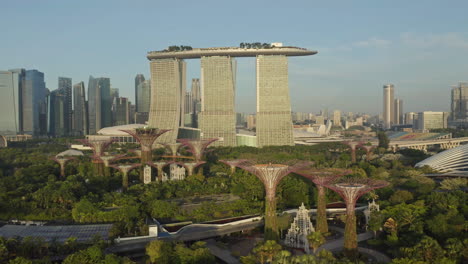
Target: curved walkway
[[338, 244]]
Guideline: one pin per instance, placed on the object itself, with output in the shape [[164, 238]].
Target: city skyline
[[350, 66]]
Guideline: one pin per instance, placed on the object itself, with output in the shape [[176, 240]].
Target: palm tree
[[315, 239]]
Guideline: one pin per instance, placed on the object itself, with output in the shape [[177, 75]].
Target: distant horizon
[[361, 46]]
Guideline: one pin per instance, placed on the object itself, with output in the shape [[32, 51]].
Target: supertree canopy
[[146, 136], [62, 160], [270, 175], [351, 189], [368, 149], [98, 146], [322, 177], [233, 163], [352, 145], [125, 169], [197, 147]]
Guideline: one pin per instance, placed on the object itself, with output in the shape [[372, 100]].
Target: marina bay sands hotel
[[217, 118]]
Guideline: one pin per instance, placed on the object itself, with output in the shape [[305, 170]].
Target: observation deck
[[229, 51]]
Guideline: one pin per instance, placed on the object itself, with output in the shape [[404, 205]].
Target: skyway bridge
[[446, 143]]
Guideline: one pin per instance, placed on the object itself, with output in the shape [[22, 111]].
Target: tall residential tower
[[388, 106]]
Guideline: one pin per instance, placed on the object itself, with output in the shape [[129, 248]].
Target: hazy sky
[[419, 46]]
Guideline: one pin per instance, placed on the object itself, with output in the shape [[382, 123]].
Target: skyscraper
[[337, 118], [99, 104], [217, 118], [273, 124], [34, 105], [10, 88], [167, 86], [143, 98], [196, 97], [121, 111], [65, 88], [139, 78], [80, 113], [398, 112], [57, 102], [388, 106]]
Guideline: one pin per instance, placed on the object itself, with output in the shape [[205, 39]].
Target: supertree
[[322, 177], [352, 145], [197, 147], [159, 165], [270, 175], [173, 148], [368, 149], [190, 166], [125, 169], [106, 160], [62, 160], [351, 189], [98, 146], [233, 164], [146, 136]]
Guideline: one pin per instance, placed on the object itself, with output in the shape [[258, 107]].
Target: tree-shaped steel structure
[[368, 149], [233, 164], [106, 160], [98, 146], [191, 166], [352, 145], [270, 175], [146, 136], [351, 189], [322, 177], [197, 147], [173, 148], [62, 160], [159, 165], [125, 169]]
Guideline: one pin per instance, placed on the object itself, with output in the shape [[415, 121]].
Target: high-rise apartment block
[[337, 118], [218, 117], [388, 106], [398, 111], [99, 104], [80, 111], [410, 117]]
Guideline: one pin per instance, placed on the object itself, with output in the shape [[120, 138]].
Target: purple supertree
[[159, 165], [146, 137], [98, 146], [322, 177], [233, 163], [191, 166], [106, 160], [351, 189], [173, 148], [125, 169], [197, 147], [270, 175], [62, 160], [352, 145], [369, 149]]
